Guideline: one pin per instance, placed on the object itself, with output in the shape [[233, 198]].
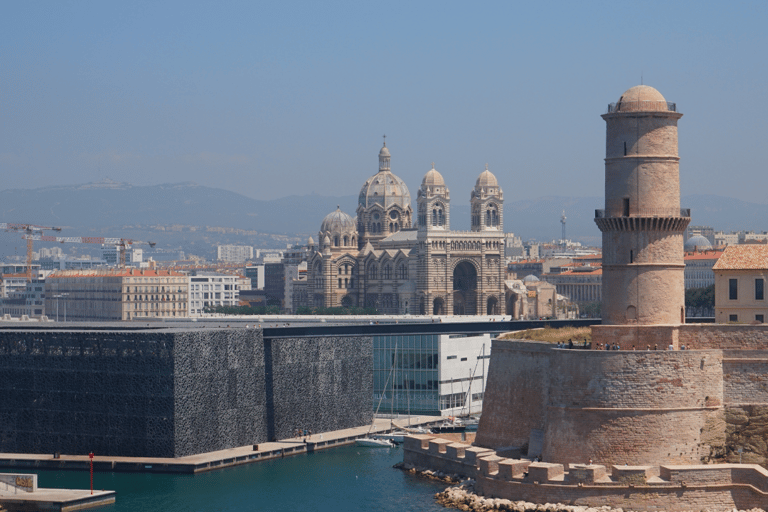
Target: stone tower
[[642, 223]]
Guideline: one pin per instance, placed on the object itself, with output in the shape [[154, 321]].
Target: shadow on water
[[347, 478]]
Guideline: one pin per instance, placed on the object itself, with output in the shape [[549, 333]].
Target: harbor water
[[348, 478]]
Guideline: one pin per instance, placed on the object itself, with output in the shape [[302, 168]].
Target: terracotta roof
[[707, 255], [743, 257], [123, 272], [595, 272]]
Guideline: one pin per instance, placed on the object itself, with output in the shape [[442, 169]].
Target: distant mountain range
[[181, 215]]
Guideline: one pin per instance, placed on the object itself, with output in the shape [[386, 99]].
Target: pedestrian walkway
[[212, 460]]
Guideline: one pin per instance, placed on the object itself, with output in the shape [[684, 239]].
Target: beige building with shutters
[[740, 277]]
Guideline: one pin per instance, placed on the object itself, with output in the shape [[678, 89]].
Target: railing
[[642, 106], [648, 212]]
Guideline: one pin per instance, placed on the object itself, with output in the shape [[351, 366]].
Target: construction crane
[[30, 232], [122, 243]]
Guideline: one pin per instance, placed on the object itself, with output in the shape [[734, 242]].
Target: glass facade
[[430, 374], [406, 374]]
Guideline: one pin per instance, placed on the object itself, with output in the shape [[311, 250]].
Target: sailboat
[[380, 440]]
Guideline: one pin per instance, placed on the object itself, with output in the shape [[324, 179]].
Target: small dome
[[337, 222], [530, 278], [433, 178], [697, 243], [310, 242], [487, 179], [641, 98], [384, 151]]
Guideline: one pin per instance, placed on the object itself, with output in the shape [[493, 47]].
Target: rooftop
[[743, 257]]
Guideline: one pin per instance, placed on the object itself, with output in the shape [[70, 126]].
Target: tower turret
[[433, 202], [642, 223], [487, 203]]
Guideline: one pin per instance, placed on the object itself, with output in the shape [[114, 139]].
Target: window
[[451, 357], [733, 318], [733, 289], [463, 358], [626, 207], [759, 289], [760, 318]]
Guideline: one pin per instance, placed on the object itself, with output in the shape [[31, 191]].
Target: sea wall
[[175, 392], [652, 488]]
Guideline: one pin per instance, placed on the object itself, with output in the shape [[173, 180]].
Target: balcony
[[642, 106], [648, 212]]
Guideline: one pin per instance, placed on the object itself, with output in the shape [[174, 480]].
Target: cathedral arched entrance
[[465, 289], [511, 303], [347, 301], [438, 307], [492, 306]]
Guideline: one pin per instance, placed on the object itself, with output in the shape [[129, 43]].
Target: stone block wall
[[673, 488], [517, 388], [175, 392], [724, 336]]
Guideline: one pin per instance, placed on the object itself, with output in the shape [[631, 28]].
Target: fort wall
[[653, 488], [519, 377]]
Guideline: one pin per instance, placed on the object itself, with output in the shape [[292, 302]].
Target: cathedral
[[384, 258]]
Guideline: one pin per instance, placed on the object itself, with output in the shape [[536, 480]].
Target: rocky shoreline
[[463, 497]]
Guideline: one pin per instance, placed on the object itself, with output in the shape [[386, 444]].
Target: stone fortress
[[664, 422]]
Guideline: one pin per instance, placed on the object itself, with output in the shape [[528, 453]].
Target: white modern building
[[439, 374], [234, 253], [209, 290]]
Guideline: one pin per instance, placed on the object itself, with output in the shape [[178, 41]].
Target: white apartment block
[[234, 253], [212, 290]]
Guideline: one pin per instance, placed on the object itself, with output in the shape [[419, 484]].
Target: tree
[[700, 301]]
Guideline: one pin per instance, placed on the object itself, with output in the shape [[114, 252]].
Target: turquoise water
[[348, 478]]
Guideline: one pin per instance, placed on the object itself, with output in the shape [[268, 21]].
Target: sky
[[271, 99]]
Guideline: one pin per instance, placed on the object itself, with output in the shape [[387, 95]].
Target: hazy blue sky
[[277, 98]]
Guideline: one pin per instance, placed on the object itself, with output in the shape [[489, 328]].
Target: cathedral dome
[[641, 98], [697, 243], [386, 189], [433, 178], [487, 179], [337, 222]]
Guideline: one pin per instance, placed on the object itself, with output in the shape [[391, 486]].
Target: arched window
[[387, 272], [434, 217], [346, 240], [373, 271], [440, 219], [402, 271], [336, 241]]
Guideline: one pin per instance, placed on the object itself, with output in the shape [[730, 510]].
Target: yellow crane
[[30, 232]]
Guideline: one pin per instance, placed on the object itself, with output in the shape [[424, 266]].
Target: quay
[[20, 492], [211, 460]]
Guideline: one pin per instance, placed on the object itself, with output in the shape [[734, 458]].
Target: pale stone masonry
[[117, 294], [642, 223]]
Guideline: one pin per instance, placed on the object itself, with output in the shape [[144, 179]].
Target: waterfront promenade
[[212, 460]]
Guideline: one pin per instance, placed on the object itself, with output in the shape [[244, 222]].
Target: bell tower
[[642, 223]]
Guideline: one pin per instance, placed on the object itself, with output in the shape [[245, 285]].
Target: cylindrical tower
[[642, 223]]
